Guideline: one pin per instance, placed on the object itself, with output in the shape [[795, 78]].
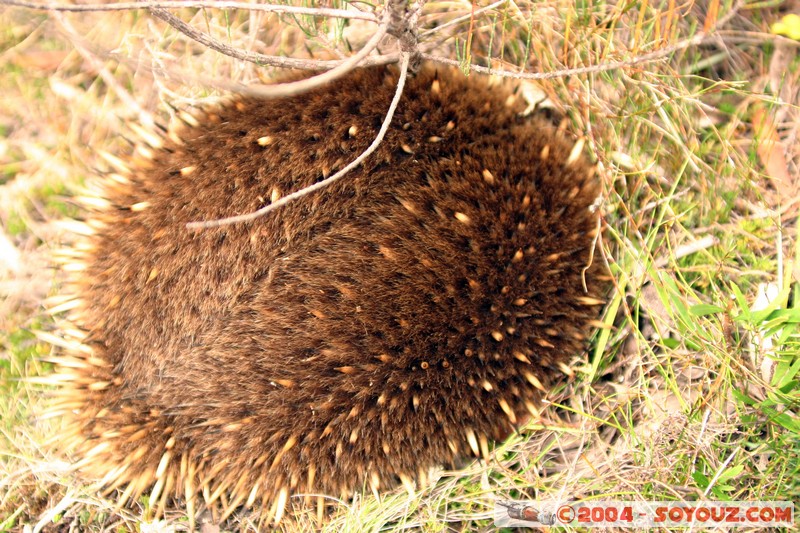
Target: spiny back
[[398, 319]]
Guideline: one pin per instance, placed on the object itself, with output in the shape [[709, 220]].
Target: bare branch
[[214, 44], [280, 89], [253, 57], [212, 4], [404, 59], [175, 73], [364, 60]]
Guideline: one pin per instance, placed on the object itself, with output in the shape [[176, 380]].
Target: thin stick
[[295, 63], [309, 64], [255, 90], [213, 4], [281, 89], [404, 59], [221, 47]]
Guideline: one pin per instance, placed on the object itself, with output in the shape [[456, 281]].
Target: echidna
[[401, 318]]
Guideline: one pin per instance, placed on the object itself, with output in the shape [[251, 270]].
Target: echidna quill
[[401, 318]]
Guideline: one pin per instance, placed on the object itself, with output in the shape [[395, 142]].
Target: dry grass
[[700, 156]]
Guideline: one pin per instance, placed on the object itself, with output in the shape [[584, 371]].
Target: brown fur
[[396, 320]]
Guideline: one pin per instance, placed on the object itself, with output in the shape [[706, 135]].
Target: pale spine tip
[[545, 153], [507, 410], [575, 153], [188, 119], [461, 217], [151, 139], [472, 441], [93, 202], [114, 161], [533, 380]]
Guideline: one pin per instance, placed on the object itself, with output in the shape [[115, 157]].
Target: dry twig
[[158, 8], [280, 89], [211, 4], [404, 60]]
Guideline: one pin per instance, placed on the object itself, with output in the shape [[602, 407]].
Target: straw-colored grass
[[679, 397]]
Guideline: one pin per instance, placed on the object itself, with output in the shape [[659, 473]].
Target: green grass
[[668, 402]]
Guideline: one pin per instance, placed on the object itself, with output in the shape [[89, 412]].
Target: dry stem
[[212, 4], [404, 60]]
